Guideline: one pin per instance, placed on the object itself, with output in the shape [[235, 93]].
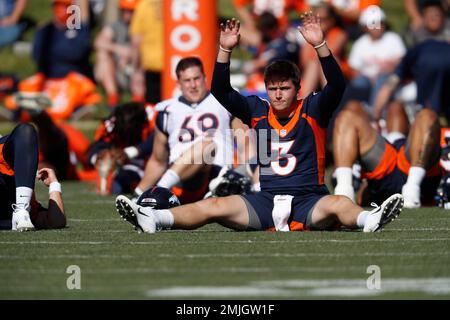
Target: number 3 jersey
[[291, 152], [186, 123]]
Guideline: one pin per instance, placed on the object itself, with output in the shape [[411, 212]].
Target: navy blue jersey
[[293, 160]]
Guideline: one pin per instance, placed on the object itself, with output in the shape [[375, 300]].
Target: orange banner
[[190, 29]]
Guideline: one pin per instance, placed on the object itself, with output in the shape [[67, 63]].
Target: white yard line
[[310, 288]]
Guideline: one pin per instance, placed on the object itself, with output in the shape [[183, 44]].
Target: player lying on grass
[[19, 209], [294, 195]]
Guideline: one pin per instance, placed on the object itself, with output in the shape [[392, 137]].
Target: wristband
[[320, 45], [225, 50], [131, 152], [54, 186]]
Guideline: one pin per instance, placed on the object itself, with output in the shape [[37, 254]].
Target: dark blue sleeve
[[80, 46], [239, 106], [146, 146], [38, 44], [160, 122], [327, 101]]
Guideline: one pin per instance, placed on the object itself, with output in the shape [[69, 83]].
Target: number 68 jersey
[[186, 123]]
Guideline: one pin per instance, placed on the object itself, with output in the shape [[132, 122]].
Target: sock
[[415, 176], [138, 191], [394, 136], [256, 187], [361, 220], [344, 176], [23, 197], [163, 218], [169, 179]]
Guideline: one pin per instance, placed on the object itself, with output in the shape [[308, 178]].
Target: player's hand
[[229, 34], [310, 29], [47, 176]]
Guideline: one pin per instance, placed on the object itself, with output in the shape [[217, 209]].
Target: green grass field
[[413, 254]]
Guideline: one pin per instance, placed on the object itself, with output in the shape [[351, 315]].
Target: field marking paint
[[310, 288]]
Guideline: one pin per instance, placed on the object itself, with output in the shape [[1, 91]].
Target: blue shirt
[[6, 8], [58, 52]]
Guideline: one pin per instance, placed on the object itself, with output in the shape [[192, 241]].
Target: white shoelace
[[17, 207]]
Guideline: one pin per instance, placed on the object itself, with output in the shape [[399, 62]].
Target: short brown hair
[[188, 62], [282, 70]]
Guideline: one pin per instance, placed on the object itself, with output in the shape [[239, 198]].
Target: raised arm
[[334, 89], [221, 88]]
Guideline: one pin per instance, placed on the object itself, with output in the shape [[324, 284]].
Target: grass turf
[[213, 262]]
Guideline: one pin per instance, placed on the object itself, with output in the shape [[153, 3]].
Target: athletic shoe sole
[[391, 211], [127, 213]]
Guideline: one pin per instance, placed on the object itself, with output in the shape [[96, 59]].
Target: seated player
[[123, 141], [114, 69], [18, 165], [188, 129], [409, 166], [294, 195]]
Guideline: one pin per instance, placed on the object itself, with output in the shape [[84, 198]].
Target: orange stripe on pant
[[386, 165]]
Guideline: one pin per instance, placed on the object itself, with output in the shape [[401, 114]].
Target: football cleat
[[140, 217], [380, 216], [21, 219]]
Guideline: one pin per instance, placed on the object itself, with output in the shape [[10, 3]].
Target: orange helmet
[[128, 4]]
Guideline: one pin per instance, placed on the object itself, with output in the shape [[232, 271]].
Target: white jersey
[[185, 124]]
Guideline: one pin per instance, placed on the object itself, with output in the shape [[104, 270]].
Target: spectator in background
[[61, 51], [428, 64], [313, 77], [350, 12], [276, 45], [148, 46], [413, 9], [434, 24], [250, 34], [58, 49], [113, 67], [373, 57], [10, 27]]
